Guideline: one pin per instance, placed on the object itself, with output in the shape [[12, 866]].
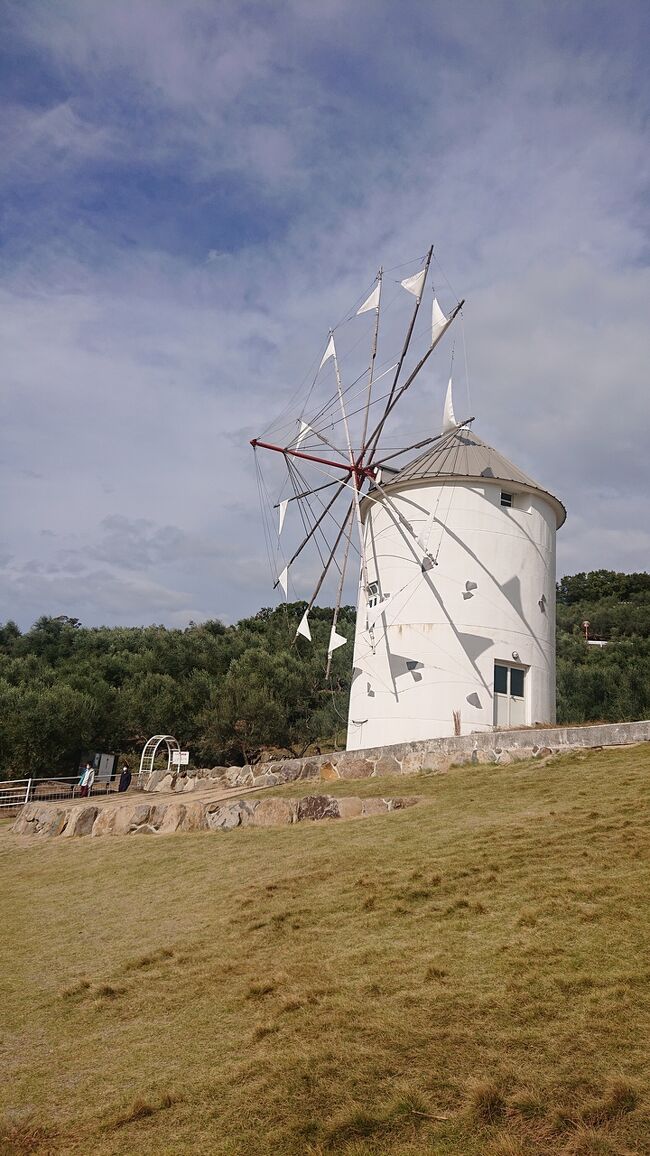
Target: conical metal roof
[[461, 454]]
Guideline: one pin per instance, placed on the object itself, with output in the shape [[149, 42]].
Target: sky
[[192, 191]]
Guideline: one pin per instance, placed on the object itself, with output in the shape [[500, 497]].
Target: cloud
[[197, 192]]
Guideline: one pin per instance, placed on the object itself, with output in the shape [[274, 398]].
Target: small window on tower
[[373, 594], [507, 499]]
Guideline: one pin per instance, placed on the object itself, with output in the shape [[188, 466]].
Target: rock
[[328, 772], [273, 813], [400, 803], [505, 758], [387, 765], [145, 829], [271, 780], [316, 807], [218, 772], [80, 822], [194, 818], [188, 784], [157, 816], [155, 778], [172, 819], [105, 821], [289, 770], [374, 807], [139, 814], [56, 826], [350, 808], [350, 767], [28, 821], [232, 776], [166, 784], [223, 817], [412, 764], [227, 816], [542, 752], [245, 778], [310, 769]]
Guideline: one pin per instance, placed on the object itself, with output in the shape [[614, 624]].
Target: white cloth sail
[[283, 579], [303, 627], [329, 352], [371, 302], [448, 420], [335, 641], [438, 321], [304, 430], [375, 612], [414, 284], [283, 510]]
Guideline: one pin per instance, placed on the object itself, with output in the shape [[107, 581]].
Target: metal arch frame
[[149, 753]]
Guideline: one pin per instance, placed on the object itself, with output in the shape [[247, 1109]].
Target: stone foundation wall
[[409, 758], [133, 817]]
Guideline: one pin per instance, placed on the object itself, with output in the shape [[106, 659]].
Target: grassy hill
[[466, 977]]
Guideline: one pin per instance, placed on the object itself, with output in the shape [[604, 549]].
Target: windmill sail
[[303, 627], [414, 284], [335, 641], [371, 302], [448, 419]]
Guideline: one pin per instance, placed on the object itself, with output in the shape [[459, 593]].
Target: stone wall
[[134, 817], [409, 758]]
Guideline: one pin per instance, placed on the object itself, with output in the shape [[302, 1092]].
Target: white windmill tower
[[455, 627]]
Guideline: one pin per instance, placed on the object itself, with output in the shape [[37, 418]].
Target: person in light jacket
[[86, 781]]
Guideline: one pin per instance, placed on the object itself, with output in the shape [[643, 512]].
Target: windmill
[[455, 627], [340, 441]]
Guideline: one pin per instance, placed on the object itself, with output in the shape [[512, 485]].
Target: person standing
[[125, 778], [86, 781]]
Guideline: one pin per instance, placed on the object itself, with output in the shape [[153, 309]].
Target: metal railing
[[14, 793]]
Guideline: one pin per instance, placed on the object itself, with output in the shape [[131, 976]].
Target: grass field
[[466, 977]]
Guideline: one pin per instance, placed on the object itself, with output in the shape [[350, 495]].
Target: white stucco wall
[[436, 644]]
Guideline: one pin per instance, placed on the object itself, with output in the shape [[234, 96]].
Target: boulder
[[188, 784], [350, 767], [413, 763], [401, 803], [315, 807], [157, 816], [232, 776], [166, 784], [223, 817], [289, 770], [80, 821], [218, 772], [227, 816], [173, 818], [310, 769], [105, 821], [56, 825], [194, 818], [273, 813], [328, 772], [374, 807], [139, 814], [387, 765], [350, 808], [155, 779], [145, 829]]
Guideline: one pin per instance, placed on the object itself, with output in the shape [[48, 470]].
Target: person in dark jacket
[[125, 779]]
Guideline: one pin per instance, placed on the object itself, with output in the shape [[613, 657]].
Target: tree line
[[227, 692]]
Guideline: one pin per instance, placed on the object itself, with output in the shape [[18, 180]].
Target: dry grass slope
[[467, 977]]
